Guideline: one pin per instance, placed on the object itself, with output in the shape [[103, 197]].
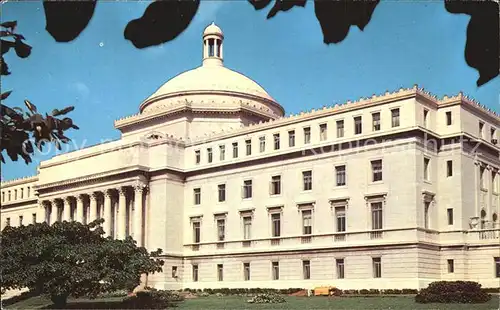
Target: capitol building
[[395, 190]]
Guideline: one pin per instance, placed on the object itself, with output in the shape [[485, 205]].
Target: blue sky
[[106, 78]]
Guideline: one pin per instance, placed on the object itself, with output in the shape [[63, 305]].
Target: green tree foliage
[[71, 259]]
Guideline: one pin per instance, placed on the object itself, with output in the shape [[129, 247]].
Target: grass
[[302, 303]]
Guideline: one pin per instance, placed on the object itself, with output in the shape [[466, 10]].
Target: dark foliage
[[67, 19], [152, 299], [466, 292]]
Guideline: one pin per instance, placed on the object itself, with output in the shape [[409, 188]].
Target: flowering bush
[[266, 299]]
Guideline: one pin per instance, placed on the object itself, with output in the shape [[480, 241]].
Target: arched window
[[494, 217], [210, 47], [483, 219]]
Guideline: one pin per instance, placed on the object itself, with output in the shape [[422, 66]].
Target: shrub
[[409, 291], [266, 299], [152, 299], [335, 291], [364, 292], [392, 292], [118, 293], [453, 292]]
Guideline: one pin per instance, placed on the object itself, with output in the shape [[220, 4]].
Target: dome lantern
[[212, 46]]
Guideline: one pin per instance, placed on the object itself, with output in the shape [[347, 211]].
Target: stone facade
[[392, 191]]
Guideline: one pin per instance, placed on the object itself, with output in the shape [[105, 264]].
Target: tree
[[17, 127], [71, 259]]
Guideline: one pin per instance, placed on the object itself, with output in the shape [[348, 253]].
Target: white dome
[[213, 29]]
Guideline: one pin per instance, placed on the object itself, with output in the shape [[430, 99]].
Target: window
[[222, 152], [395, 117], [481, 178], [307, 135], [340, 129], [33, 218], [247, 227], [340, 175], [235, 150], [376, 121], [262, 144], [449, 213], [276, 138], [481, 129], [195, 273], [449, 168], [376, 215], [451, 266], [497, 267], [276, 270], [174, 271], [9, 196], [211, 46], [340, 219], [493, 133], [306, 222], [448, 118], [197, 196], [247, 189], [7, 221], [426, 168], [15, 194], [209, 154], [246, 271], [291, 138], [340, 268], [276, 224], [426, 214], [306, 269], [22, 193], [196, 232], [307, 180], [358, 126], [3, 196], [28, 193], [323, 135], [20, 220], [376, 170], [248, 147], [197, 156], [426, 114], [221, 229], [220, 272], [276, 185], [377, 267], [222, 192]]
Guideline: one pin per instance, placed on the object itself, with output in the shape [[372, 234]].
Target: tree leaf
[[284, 5], [6, 45], [67, 19], [30, 106], [9, 24], [57, 112], [23, 50], [259, 4], [6, 94]]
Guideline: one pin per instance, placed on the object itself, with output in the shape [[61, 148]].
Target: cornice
[[19, 181], [464, 100]]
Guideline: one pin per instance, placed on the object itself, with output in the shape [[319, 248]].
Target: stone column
[[53, 212], [93, 207], [121, 214], [79, 209], [66, 209], [138, 213], [44, 211], [108, 215]]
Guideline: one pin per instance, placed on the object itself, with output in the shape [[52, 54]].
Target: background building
[[391, 191]]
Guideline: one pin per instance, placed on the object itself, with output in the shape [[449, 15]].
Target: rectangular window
[[426, 114], [497, 267], [340, 268], [248, 147], [307, 135], [7, 221], [451, 266], [195, 273], [449, 168], [376, 121], [426, 214], [376, 170], [222, 152], [291, 138], [449, 213], [196, 232], [307, 180], [174, 271], [235, 150], [197, 156], [246, 271], [306, 222], [276, 185], [33, 218], [481, 130], [247, 227], [493, 133], [9, 196], [376, 215], [395, 117], [448, 118], [340, 129], [209, 154], [323, 135], [197, 196], [15, 194], [340, 219], [276, 138], [276, 270], [221, 229], [262, 144], [340, 175], [220, 272], [358, 126], [377, 267], [306, 269], [22, 193], [28, 194], [276, 224], [20, 220], [426, 169], [222, 192], [247, 189]]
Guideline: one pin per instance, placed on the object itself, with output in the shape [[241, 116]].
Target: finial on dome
[[212, 45]]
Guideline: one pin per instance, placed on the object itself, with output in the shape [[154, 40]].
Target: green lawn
[[302, 303]]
